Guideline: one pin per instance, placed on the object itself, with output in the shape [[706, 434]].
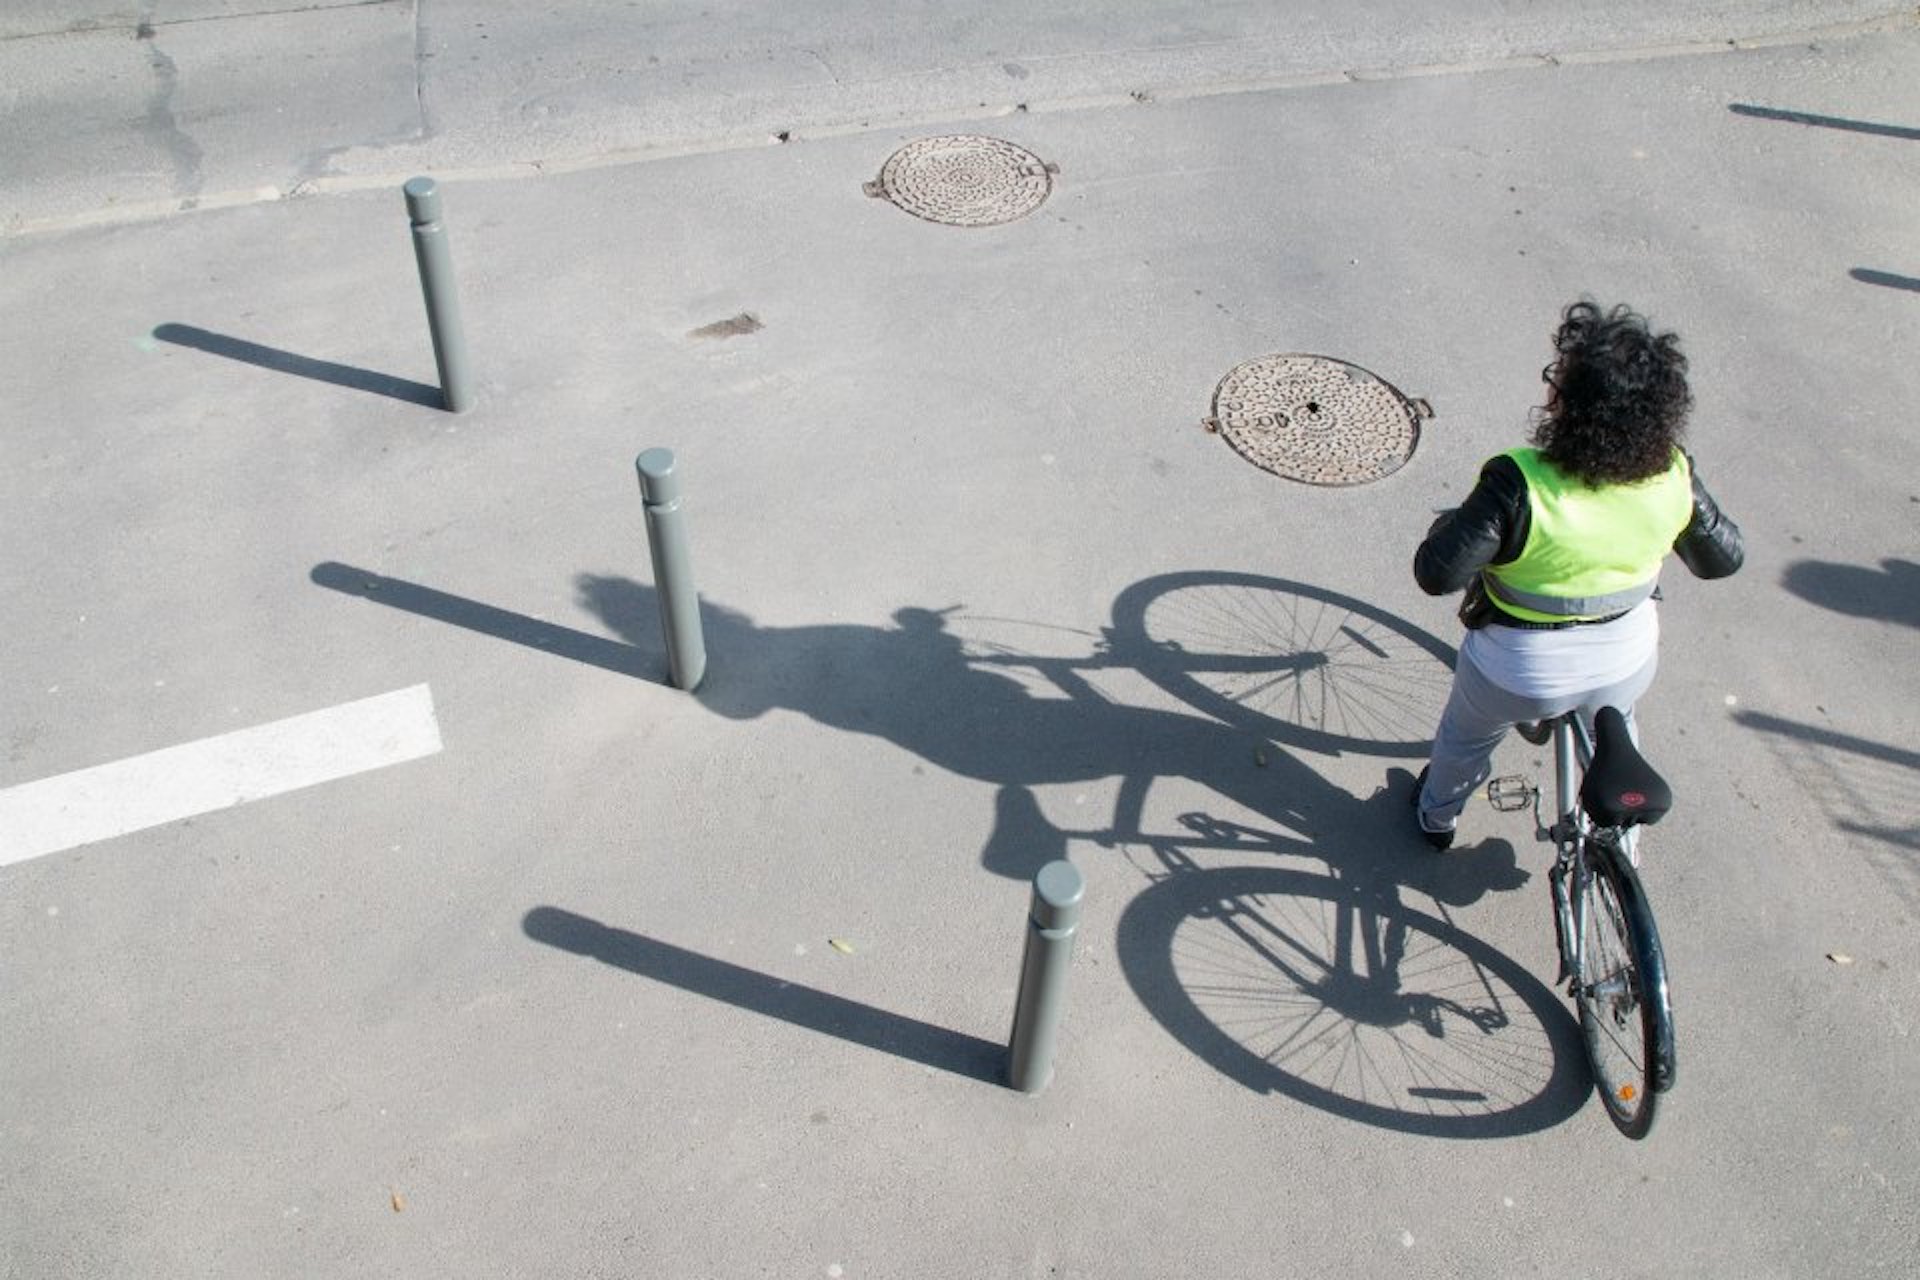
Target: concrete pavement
[[563, 997]]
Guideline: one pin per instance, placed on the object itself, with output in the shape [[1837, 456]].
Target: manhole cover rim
[[1408, 413], [1026, 180]]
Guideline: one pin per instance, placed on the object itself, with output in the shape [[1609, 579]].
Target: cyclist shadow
[[914, 684], [1444, 1034], [1890, 593], [1369, 854]]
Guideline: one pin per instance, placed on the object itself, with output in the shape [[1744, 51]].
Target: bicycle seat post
[[1567, 766]]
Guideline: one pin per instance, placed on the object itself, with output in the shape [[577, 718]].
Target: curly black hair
[[1619, 397]]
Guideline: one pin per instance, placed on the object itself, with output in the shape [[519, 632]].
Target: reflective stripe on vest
[[1570, 606], [1591, 552]]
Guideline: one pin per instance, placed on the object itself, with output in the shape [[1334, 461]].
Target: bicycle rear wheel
[[1621, 1016]]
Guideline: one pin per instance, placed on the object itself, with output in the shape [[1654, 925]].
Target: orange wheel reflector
[[1626, 1093]]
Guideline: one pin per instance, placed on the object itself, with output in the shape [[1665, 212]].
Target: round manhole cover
[[1316, 419], [964, 180]]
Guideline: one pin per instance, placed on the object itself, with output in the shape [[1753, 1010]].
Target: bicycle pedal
[[1512, 793]]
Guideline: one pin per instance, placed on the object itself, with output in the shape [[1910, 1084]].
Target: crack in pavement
[[427, 126], [148, 24], [159, 125], [318, 163]]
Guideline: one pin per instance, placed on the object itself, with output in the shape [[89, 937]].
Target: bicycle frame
[[1579, 845]]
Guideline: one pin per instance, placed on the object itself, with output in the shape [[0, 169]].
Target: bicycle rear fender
[[1651, 961]]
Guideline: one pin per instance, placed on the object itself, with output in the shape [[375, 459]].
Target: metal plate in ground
[[1316, 419], [964, 180]]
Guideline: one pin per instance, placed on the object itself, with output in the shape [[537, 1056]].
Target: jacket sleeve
[[1710, 545], [1490, 527]]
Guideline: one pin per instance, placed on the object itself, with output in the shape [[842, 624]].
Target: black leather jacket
[[1491, 527]]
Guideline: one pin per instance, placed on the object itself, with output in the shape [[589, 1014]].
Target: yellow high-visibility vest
[[1591, 552]]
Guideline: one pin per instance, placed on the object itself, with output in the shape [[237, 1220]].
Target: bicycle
[[1610, 955]]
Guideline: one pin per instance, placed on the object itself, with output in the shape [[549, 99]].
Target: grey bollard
[[672, 571], [436, 282], [1052, 921]]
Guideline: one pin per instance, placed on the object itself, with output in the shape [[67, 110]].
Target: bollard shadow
[[1885, 279], [1825, 122], [339, 375], [1890, 593], [789, 1002], [485, 619]]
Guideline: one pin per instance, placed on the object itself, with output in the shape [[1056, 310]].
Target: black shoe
[[1439, 841]]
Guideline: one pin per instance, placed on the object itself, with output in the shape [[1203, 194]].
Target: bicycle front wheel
[[1620, 990]]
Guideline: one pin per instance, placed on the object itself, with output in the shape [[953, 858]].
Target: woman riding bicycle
[[1559, 547]]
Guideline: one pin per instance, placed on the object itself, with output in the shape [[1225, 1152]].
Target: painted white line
[[214, 773]]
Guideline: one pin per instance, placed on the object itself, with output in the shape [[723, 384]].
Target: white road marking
[[215, 773]]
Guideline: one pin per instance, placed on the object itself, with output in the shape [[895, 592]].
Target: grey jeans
[[1479, 713]]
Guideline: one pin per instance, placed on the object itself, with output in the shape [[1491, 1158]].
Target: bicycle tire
[[1621, 993]]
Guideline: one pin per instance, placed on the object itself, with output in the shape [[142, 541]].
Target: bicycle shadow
[[1334, 990], [1296, 663], [916, 685]]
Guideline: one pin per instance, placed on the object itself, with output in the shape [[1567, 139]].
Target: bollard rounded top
[[658, 480], [423, 199], [1057, 894]]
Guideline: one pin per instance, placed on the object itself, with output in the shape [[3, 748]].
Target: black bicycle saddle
[[1621, 789]]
